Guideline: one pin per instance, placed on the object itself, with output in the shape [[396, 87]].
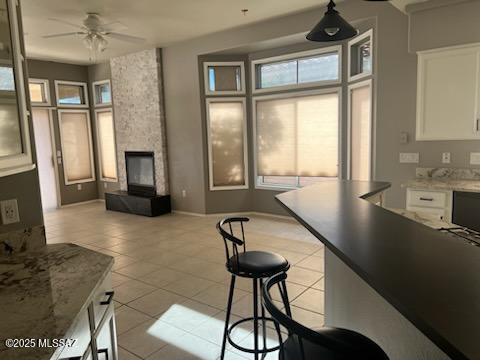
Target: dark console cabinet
[[148, 206]]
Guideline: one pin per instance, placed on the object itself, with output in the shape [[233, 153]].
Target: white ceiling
[[160, 22]]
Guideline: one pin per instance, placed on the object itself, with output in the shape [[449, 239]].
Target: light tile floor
[[170, 280]]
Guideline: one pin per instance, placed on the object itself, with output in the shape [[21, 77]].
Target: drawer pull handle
[[105, 352], [426, 199], [109, 299]]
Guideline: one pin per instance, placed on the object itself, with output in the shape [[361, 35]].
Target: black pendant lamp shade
[[332, 27]]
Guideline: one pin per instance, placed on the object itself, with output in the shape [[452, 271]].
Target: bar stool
[[327, 343], [255, 265]]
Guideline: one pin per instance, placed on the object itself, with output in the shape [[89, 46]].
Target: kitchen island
[[410, 288], [58, 293]]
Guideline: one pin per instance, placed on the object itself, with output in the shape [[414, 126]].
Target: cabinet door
[[106, 337], [82, 334], [448, 94]]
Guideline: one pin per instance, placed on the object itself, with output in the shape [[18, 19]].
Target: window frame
[[296, 56], [99, 148], [359, 38], [206, 78], [76, 83], [90, 142], [259, 184], [22, 162], [360, 84], [94, 93], [46, 86], [212, 186]]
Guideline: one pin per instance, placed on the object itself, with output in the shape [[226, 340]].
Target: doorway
[[45, 146]]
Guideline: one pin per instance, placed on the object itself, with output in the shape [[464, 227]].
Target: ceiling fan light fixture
[[332, 27]]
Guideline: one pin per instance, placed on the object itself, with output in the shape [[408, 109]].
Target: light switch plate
[[446, 158], [409, 158], [474, 158], [9, 211], [79, 187]]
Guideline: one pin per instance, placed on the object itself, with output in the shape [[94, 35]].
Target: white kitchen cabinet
[[435, 202], [448, 93]]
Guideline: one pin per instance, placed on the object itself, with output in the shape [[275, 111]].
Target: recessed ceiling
[[160, 22]]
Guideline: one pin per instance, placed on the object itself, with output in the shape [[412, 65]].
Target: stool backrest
[[341, 343], [226, 230]]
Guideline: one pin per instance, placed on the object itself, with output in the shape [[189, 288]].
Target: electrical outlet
[[446, 158], [105, 185], [184, 193], [79, 186], [403, 137], [474, 158], [409, 158], [9, 211]]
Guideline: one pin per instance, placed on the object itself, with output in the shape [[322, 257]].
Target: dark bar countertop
[[431, 278]]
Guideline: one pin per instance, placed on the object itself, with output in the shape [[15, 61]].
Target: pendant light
[[332, 27]]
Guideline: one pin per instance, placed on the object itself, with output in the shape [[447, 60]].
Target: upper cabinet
[[15, 149], [448, 94]]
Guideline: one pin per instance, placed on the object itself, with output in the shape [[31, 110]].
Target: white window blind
[[75, 135], [226, 140], [106, 145], [298, 136], [361, 131]]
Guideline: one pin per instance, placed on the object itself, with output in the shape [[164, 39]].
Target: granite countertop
[[42, 293], [426, 219], [430, 277], [444, 184]]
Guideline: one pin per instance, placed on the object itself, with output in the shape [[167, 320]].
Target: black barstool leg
[[255, 317], [227, 320], [285, 299], [264, 323]]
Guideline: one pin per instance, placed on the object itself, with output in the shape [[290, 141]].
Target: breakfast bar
[[412, 289]]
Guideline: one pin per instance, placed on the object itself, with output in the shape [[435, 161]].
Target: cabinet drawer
[[102, 299], [430, 199]]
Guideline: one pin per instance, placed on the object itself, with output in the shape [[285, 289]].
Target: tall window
[[76, 141], [360, 125], [227, 153], [106, 144], [297, 137]]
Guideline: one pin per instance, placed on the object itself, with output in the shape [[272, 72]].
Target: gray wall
[[98, 72], [24, 186], [395, 90], [60, 71]]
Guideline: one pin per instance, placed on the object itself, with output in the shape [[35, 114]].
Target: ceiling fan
[[95, 32]]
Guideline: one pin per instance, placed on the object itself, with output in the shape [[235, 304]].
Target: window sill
[[16, 170], [275, 188]]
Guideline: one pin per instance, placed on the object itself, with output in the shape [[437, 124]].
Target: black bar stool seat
[[257, 264], [327, 343]]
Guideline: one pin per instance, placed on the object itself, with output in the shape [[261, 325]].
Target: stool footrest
[[251, 351]]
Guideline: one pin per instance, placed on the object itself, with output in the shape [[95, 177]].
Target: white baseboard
[[81, 203], [256, 213]]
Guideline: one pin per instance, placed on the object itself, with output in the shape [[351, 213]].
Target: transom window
[[71, 94], [39, 92], [102, 93], [7, 79], [305, 69]]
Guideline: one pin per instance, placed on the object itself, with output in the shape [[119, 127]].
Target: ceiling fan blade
[[113, 26], [67, 23], [124, 37], [62, 34]]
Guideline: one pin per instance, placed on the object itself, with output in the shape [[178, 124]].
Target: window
[[360, 130], [308, 68], [224, 78], [289, 181], [7, 79], [39, 92], [360, 54], [76, 142], [71, 94], [297, 135], [227, 142], [106, 144], [102, 93]]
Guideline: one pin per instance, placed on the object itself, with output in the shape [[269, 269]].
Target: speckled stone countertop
[[444, 184], [423, 218], [42, 293]]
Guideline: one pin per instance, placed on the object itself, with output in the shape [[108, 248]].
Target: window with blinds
[[106, 145], [298, 135], [226, 125], [76, 142], [360, 119]]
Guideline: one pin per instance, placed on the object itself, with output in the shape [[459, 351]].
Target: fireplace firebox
[[140, 166]]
